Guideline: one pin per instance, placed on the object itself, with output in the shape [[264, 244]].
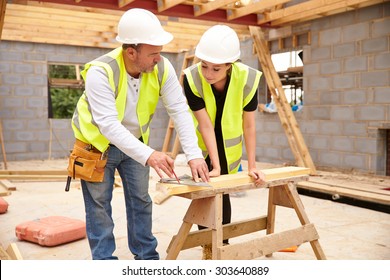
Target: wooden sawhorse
[[206, 210]]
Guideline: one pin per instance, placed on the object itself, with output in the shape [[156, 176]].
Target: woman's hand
[[257, 175]]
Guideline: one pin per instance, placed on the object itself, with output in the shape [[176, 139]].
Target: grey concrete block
[[24, 136], [11, 56], [354, 129], [380, 27], [382, 61], [311, 69], [12, 102], [273, 127], [366, 145], [355, 64], [319, 83], [342, 113], [5, 67], [38, 147], [15, 147], [12, 79], [355, 161], [321, 53], [330, 128], [330, 98], [319, 142], [354, 96], [375, 45], [343, 144], [264, 139], [355, 32], [39, 57], [345, 81], [271, 152], [369, 13], [374, 79], [23, 68], [330, 67], [344, 50], [23, 91], [371, 113], [318, 113], [382, 95], [330, 36], [329, 158], [36, 80], [37, 102], [5, 89], [309, 127], [26, 113]]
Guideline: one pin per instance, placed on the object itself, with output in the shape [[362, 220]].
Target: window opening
[[65, 88], [289, 66]]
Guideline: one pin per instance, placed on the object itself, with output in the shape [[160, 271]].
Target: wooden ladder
[[2, 146], [188, 60], [287, 118]]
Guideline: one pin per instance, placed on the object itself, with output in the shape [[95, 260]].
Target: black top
[[196, 103]]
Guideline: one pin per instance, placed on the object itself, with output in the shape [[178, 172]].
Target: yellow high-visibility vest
[[244, 81], [84, 127]]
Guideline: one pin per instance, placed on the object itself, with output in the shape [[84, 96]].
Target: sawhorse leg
[[287, 196], [206, 212]]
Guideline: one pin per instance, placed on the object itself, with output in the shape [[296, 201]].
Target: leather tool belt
[[86, 162]]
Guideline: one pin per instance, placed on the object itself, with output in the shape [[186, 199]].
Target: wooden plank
[[341, 191], [163, 5], [203, 8], [330, 6], [4, 191], [270, 243], [258, 7], [166, 190], [13, 252], [375, 188], [235, 229], [8, 185], [3, 4], [3, 254]]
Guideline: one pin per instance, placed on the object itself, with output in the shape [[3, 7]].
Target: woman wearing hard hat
[[221, 93], [122, 89]]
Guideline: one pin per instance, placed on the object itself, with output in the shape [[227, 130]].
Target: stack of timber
[[366, 191]]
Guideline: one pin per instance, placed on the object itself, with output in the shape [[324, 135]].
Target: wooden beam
[[304, 11], [163, 5], [210, 6], [270, 243], [122, 3], [3, 4], [257, 7], [166, 190]]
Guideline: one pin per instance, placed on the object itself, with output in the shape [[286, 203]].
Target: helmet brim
[[163, 39]]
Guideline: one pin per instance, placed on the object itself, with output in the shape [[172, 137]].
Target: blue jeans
[[99, 222]]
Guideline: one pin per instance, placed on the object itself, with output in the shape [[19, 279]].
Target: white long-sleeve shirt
[[124, 135]]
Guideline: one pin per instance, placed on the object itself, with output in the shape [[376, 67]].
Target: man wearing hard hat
[[122, 89]]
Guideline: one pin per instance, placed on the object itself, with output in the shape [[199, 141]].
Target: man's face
[[146, 57]]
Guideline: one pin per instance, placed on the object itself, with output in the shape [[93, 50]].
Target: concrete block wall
[[346, 95], [28, 132]]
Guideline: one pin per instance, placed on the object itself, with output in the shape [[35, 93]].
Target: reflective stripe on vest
[[85, 128], [243, 85]]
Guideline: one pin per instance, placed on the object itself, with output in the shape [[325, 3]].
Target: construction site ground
[[347, 232]]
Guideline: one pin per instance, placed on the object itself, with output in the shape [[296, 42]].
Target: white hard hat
[[219, 44], [139, 26]]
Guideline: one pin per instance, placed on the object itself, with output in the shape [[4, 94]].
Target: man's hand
[[199, 169], [161, 162]]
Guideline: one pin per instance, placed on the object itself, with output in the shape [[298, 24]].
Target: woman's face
[[214, 73]]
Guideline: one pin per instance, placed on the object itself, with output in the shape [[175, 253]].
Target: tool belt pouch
[[85, 163]]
